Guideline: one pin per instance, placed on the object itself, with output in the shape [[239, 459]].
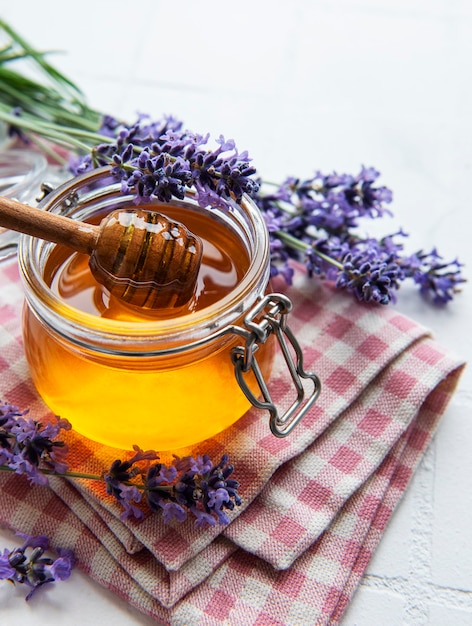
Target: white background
[[307, 85]]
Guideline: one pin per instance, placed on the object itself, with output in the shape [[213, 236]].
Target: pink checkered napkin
[[348, 343], [379, 370]]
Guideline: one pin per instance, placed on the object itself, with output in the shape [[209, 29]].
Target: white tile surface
[[307, 85], [451, 563]]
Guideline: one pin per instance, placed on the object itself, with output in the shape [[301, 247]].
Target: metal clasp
[[267, 317]]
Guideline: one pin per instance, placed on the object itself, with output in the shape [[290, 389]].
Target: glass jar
[[21, 174], [162, 383]]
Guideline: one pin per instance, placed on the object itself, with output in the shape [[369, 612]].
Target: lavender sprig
[[192, 485], [29, 565], [331, 202], [435, 278], [160, 160], [315, 221], [27, 447], [188, 485]]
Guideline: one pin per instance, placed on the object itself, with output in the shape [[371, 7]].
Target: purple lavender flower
[[158, 486], [61, 567], [189, 484], [202, 518], [200, 465], [7, 572], [8, 416], [109, 126], [28, 447], [437, 279], [35, 446], [217, 500], [324, 257], [312, 220], [316, 220], [20, 465], [31, 541], [369, 199], [207, 494], [29, 565], [160, 160], [370, 279], [118, 481], [284, 269], [153, 176], [130, 495], [6, 456], [172, 510], [332, 203]]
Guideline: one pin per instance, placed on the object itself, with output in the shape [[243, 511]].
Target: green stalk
[[85, 476], [38, 57], [54, 109], [45, 103], [65, 136], [5, 468], [302, 246], [48, 150]]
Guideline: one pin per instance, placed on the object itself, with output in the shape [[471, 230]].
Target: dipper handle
[[26, 219]]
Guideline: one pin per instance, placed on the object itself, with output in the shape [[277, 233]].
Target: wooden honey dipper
[[142, 257]]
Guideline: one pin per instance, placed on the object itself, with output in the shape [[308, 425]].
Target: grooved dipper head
[[146, 259]]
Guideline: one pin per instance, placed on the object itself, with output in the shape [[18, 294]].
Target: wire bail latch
[[267, 317]]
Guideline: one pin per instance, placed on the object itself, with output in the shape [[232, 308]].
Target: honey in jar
[[122, 375]]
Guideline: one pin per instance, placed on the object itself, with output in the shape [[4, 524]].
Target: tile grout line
[[416, 589], [416, 608], [448, 597]]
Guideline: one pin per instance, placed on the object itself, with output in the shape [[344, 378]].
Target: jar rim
[[197, 323]]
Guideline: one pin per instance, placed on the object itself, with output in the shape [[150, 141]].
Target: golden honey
[[122, 375]]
